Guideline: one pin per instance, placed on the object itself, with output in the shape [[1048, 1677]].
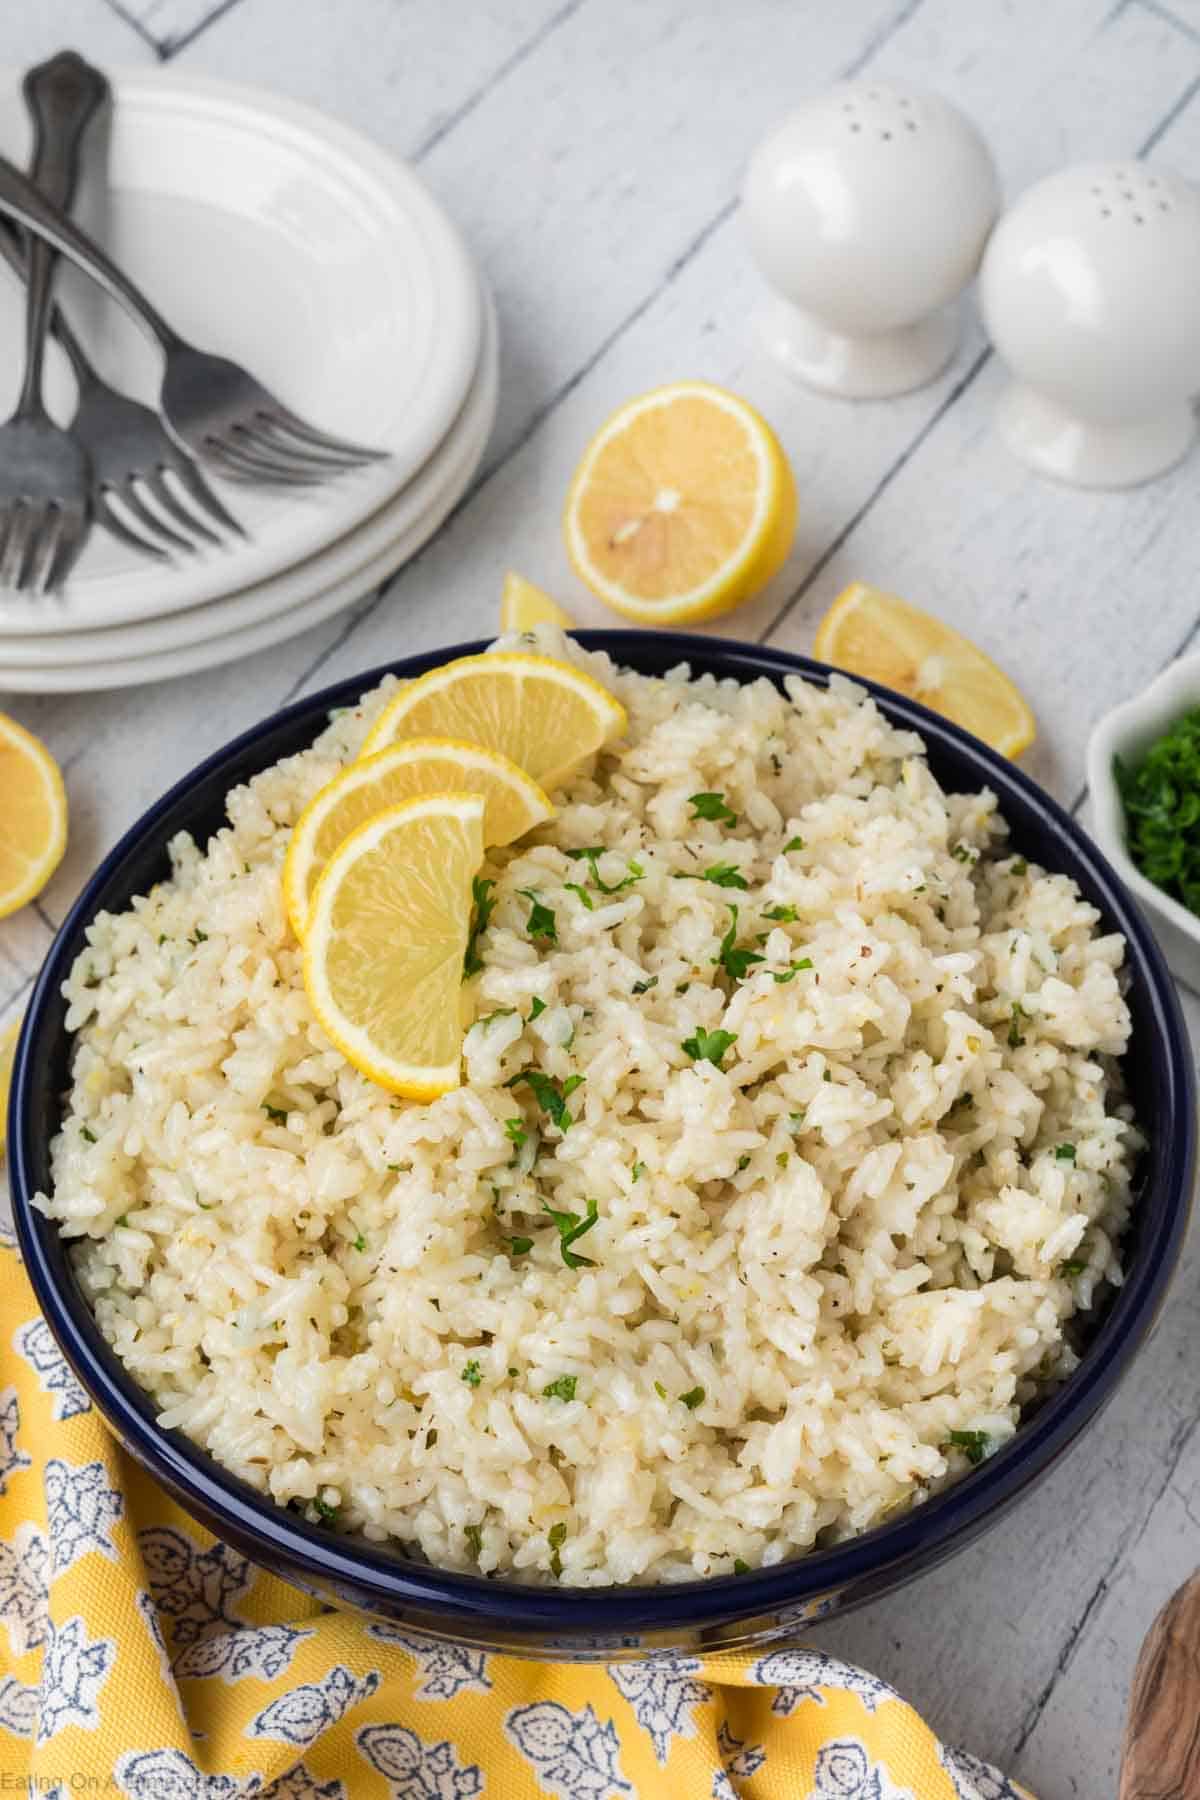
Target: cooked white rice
[[867, 1230]]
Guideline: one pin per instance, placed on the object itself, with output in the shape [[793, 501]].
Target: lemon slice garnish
[[33, 816], [523, 605]]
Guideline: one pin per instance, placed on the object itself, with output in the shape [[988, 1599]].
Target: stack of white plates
[[267, 233]]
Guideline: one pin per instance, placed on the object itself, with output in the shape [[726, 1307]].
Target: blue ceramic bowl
[[608, 1623]]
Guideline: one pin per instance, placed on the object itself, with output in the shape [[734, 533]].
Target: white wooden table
[[592, 151]]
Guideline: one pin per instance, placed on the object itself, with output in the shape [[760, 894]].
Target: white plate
[[322, 588], [235, 612], [269, 233]]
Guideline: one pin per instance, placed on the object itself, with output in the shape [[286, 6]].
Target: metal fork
[[212, 405], [45, 478]]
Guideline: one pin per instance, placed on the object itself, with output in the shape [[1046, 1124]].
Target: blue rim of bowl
[[921, 1536]]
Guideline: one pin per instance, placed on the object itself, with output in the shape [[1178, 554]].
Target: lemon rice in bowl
[[704, 1145]]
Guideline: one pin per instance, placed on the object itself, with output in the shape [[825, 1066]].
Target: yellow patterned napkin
[[143, 1657]]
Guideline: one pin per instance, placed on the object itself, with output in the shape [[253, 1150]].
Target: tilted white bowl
[[1126, 732]]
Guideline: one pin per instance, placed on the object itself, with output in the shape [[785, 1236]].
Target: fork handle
[[63, 96], [21, 200]]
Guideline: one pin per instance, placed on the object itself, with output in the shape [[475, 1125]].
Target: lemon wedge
[[683, 506], [523, 605], [545, 716], [871, 633], [513, 804], [8, 1050], [33, 816], [383, 952]]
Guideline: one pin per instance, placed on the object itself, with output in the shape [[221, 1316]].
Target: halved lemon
[[513, 804], [33, 816], [872, 633], [684, 505], [544, 715], [522, 605], [383, 953], [8, 1049]]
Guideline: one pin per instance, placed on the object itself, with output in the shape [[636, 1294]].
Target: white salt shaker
[[1090, 290], [867, 211]]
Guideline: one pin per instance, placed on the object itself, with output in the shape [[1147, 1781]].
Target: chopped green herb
[[471, 1374], [326, 1513], [162, 938], [124, 1219], [1019, 867], [591, 855], [660, 1390], [796, 843], [693, 1398], [714, 807], [513, 1373], [276, 1114], [724, 875], [573, 887], [206, 1205], [537, 1008], [743, 1162], [549, 1095], [1065, 1153], [519, 1246], [740, 1567], [360, 1242], [198, 936], [792, 970], [639, 1169], [587, 853], [474, 1537], [501, 1012], [784, 913], [643, 987], [683, 987], [1015, 1040], [975, 1443], [1161, 797], [1073, 1266], [515, 1132], [736, 963], [963, 853], [796, 1121], [541, 922], [562, 1388], [708, 1046], [556, 1539], [396, 1168], [570, 1228], [828, 1075], [89, 1136], [781, 1161], [482, 908]]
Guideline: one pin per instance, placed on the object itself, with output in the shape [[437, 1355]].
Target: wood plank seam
[[503, 69], [170, 46], [878, 40], [135, 25], [1169, 18], [10, 999], [1176, 1450]]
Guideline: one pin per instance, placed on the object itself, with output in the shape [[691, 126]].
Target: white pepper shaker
[[867, 211], [1090, 290]]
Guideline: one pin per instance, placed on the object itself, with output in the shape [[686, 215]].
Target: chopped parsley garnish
[[474, 1537], [792, 970], [515, 1132], [781, 1161], [736, 963], [784, 913], [1015, 1040], [796, 1122], [501, 1012], [563, 1388], [1161, 798], [591, 854], [570, 1228], [975, 1444], [743, 1162], [124, 1219], [326, 1513], [643, 987], [639, 1169], [276, 1114], [709, 1046], [541, 921], [537, 1008], [1073, 1266], [550, 1096], [660, 1390], [556, 1539], [162, 938], [1065, 1153], [827, 1075], [198, 936], [740, 1567], [693, 1398], [89, 1136], [482, 908], [471, 1373], [796, 843], [714, 807], [963, 853], [724, 875], [360, 1242], [573, 887], [1019, 867], [519, 1246]]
